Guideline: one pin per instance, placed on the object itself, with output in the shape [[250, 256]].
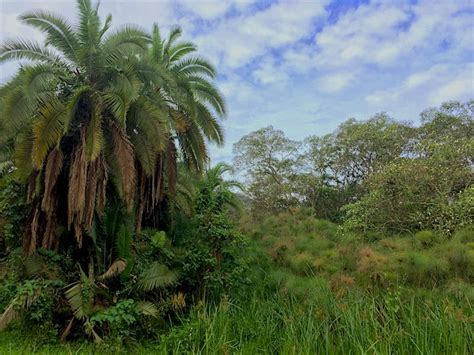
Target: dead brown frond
[[91, 192], [53, 167], [31, 234], [115, 269], [102, 177], [125, 158], [77, 189]]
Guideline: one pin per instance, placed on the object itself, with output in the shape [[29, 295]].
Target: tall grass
[[278, 323]]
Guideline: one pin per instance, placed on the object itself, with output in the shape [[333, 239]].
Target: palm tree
[[193, 106], [92, 107], [74, 116]]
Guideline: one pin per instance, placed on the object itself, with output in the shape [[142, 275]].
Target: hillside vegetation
[[118, 235]]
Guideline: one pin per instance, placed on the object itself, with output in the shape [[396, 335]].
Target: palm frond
[[124, 158], [94, 134], [148, 309], [80, 296], [174, 34], [48, 130], [26, 49], [8, 315], [180, 50], [157, 44], [59, 32], [194, 66], [209, 125], [157, 276], [23, 155], [127, 38], [117, 267], [206, 92]]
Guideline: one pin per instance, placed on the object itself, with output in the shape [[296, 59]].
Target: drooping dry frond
[[102, 177], [90, 201], [123, 151], [31, 234], [8, 315], [11, 312], [77, 189], [115, 269], [49, 240], [53, 167]]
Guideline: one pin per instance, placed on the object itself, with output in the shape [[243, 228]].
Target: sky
[[305, 66]]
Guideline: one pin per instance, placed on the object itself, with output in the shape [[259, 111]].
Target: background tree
[[270, 161]]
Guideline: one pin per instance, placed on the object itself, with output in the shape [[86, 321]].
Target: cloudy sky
[[306, 66]]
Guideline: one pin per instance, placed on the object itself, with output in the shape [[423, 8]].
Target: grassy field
[[316, 291]]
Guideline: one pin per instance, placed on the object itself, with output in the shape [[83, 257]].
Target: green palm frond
[[209, 124], [41, 78], [127, 37], [89, 24], [25, 49], [107, 24], [206, 92], [94, 133], [17, 111], [174, 34], [157, 44], [157, 276], [80, 296], [123, 89], [148, 131], [48, 130], [58, 32], [23, 154], [193, 148], [180, 50], [193, 66]]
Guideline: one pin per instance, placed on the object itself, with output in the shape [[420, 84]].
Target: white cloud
[[268, 73], [430, 87], [238, 41], [383, 33], [335, 82], [206, 9]]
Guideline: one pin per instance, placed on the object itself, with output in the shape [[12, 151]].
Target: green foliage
[[269, 160], [13, 212], [427, 239], [119, 319]]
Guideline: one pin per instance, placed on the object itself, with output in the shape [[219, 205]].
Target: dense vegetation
[[114, 236]]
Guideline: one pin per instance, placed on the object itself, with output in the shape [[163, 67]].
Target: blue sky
[[306, 66]]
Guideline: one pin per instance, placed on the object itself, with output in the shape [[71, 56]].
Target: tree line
[[377, 175]]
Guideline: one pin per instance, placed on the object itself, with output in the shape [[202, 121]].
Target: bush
[[426, 239], [423, 269]]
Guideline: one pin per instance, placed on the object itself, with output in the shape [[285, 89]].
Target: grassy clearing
[[316, 291]]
